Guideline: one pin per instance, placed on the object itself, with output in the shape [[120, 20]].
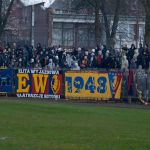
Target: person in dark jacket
[[146, 58], [141, 49], [104, 50], [130, 53]]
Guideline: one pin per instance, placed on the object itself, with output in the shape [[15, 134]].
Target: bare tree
[[5, 10], [107, 8], [95, 5], [146, 4], [110, 30], [97, 23]]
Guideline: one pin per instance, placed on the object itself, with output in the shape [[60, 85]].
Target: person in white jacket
[[75, 67], [51, 65], [125, 63]]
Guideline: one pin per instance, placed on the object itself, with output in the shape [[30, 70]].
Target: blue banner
[[6, 81]]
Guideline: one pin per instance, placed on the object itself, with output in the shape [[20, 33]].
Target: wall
[[77, 30], [18, 28]]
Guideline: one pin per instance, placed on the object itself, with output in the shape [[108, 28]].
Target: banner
[[6, 81], [93, 85], [39, 83]]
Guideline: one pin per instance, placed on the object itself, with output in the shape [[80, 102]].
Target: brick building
[[19, 25], [71, 28], [59, 25]]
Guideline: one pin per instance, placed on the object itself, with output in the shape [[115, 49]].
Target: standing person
[[146, 58], [60, 54], [32, 63], [14, 46], [130, 53], [84, 63], [141, 49], [39, 48], [125, 49], [124, 63], [51, 65], [69, 60], [75, 66], [130, 87], [92, 59], [79, 55], [99, 59], [1, 48], [104, 50], [108, 62], [75, 52], [140, 58]]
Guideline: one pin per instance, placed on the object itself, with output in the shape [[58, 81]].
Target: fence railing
[[86, 84]]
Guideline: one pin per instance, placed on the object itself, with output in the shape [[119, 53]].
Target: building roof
[[133, 9], [47, 3], [60, 4]]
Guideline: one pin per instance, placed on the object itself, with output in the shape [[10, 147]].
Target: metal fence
[[135, 84]]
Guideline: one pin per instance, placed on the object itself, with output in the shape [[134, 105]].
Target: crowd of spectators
[[56, 58]]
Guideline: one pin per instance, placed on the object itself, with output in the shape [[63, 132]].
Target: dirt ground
[[77, 102]]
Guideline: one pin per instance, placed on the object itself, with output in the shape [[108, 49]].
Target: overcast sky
[[32, 2]]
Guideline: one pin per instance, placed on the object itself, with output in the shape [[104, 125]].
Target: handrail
[[139, 93]]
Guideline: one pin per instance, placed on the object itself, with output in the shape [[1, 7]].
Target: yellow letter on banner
[[22, 83], [40, 82]]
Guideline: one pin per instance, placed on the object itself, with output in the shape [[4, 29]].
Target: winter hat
[[99, 52], [56, 57], [93, 50], [79, 49], [86, 53]]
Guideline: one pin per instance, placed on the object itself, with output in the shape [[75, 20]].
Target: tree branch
[[5, 18], [106, 22], [116, 18], [90, 3], [0, 12]]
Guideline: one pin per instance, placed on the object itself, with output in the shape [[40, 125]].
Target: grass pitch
[[33, 126]]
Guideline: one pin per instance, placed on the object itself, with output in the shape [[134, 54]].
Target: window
[[91, 37], [57, 37], [141, 32], [57, 34], [68, 37], [63, 34], [82, 37], [131, 31], [68, 34]]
